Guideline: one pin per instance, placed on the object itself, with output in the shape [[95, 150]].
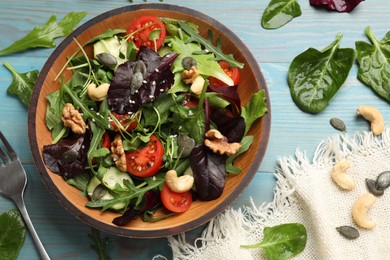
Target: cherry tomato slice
[[126, 121], [175, 202], [147, 160], [233, 73], [147, 31]]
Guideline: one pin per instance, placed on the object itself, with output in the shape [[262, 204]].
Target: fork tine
[[10, 151]]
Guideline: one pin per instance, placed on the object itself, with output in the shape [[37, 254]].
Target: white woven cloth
[[305, 193]]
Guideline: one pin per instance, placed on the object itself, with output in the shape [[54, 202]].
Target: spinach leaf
[[254, 109], [107, 34], [316, 76], [80, 182], [279, 13], [283, 241], [374, 63], [208, 45], [99, 244], [12, 234], [22, 83], [44, 36]]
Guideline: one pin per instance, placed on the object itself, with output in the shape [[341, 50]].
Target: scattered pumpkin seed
[[69, 156], [338, 124], [188, 62], [383, 180], [348, 232], [372, 187], [185, 144]]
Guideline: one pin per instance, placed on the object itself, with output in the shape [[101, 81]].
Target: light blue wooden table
[[64, 236]]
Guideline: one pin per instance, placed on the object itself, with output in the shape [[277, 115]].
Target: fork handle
[[23, 211]]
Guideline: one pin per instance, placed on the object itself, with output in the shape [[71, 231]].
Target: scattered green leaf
[[12, 234], [283, 241], [315, 76], [99, 245], [279, 13], [254, 109], [44, 36], [22, 84], [374, 63]]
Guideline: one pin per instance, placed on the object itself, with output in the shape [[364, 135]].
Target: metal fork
[[13, 180]]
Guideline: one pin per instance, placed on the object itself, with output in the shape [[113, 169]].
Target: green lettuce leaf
[[12, 234], [254, 109]]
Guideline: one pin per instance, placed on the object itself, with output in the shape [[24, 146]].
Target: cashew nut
[[197, 85], [374, 116], [340, 177], [98, 93], [360, 208], [178, 184]]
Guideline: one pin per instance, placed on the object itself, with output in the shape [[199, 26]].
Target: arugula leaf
[[208, 45], [374, 63], [22, 83], [316, 76], [99, 245], [12, 234], [279, 13], [245, 144], [44, 36], [282, 241], [254, 109], [206, 65]]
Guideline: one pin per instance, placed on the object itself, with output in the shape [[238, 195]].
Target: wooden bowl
[[69, 197]]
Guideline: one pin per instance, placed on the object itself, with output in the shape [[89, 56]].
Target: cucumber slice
[[112, 46], [93, 183], [114, 177]]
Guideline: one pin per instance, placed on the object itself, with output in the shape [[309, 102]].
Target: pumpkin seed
[[348, 232], [188, 62], [383, 180], [140, 67], [372, 187], [185, 144], [338, 124], [107, 59], [69, 156], [136, 82], [98, 192]]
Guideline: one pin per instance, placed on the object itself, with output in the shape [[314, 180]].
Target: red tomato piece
[[233, 73], [174, 201], [147, 31], [146, 161], [106, 141], [125, 120]]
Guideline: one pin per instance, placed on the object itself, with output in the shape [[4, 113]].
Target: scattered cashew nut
[[98, 93], [178, 184], [340, 177], [360, 208], [374, 116]]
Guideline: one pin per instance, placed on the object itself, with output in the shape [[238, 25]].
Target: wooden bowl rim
[[127, 232]]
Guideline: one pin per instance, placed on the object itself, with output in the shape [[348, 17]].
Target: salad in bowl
[[148, 120]]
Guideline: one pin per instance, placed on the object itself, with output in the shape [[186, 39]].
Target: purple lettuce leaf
[[336, 5], [209, 172], [68, 157], [159, 78], [233, 128], [230, 93]]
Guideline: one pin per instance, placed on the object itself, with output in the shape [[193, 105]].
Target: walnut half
[[118, 153], [218, 143], [73, 119]]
